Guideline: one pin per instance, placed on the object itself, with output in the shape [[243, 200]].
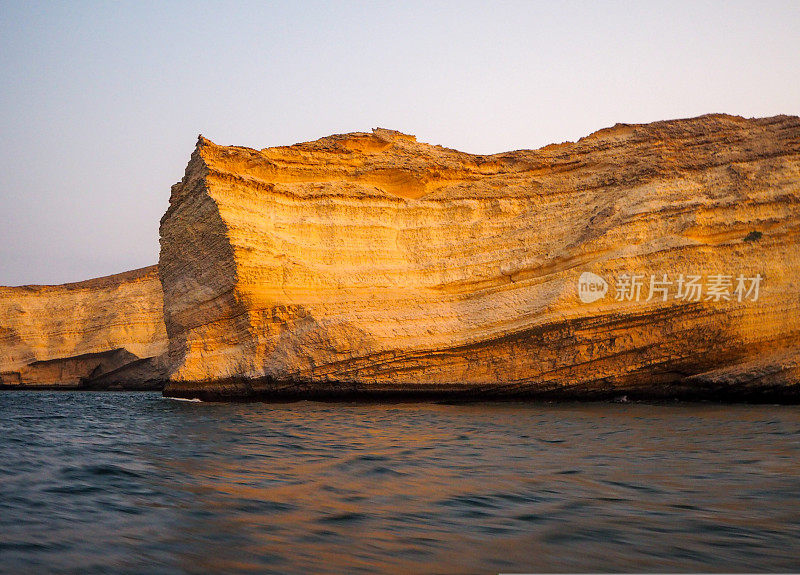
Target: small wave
[[190, 400], [346, 517]]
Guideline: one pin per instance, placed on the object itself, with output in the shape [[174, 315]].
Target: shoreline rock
[[371, 265], [103, 333]]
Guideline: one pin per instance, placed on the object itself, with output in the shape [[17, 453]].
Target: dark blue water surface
[[131, 482]]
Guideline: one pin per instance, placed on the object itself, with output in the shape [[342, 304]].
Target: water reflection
[[406, 488]]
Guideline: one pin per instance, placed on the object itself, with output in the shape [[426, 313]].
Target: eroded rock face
[[374, 264], [101, 333]]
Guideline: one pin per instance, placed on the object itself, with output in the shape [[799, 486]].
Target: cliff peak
[[386, 134], [203, 141]]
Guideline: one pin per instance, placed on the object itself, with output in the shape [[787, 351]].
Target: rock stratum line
[[369, 265]]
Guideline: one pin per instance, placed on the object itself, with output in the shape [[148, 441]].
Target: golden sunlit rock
[[104, 332], [371, 264]]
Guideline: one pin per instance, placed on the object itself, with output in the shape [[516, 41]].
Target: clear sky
[[101, 102]]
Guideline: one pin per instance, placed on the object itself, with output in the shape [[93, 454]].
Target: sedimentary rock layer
[[101, 333], [370, 264]]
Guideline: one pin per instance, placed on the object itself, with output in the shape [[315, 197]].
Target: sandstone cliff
[[101, 333], [374, 265]]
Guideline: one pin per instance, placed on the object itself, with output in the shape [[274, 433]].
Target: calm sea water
[[132, 482]]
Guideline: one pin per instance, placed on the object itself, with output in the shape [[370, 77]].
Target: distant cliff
[[101, 333], [653, 260]]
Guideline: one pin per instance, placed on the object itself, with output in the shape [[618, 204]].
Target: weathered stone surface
[[374, 265], [101, 333]]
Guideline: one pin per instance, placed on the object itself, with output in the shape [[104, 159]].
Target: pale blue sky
[[101, 102]]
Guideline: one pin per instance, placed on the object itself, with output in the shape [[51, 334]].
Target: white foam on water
[[192, 400]]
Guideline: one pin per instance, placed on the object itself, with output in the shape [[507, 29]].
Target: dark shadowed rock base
[[689, 389], [116, 369]]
